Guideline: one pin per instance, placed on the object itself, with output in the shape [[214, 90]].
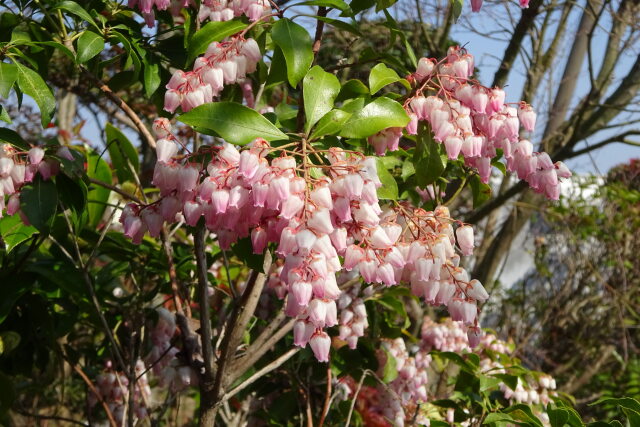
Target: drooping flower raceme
[[473, 121]]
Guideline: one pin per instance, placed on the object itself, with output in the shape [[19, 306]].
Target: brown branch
[[322, 12], [50, 417], [120, 191], [86, 379], [207, 398], [142, 129], [327, 397]]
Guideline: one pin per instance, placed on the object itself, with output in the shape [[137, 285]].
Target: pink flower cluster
[[253, 194], [223, 63], [226, 10], [146, 8], [18, 168], [353, 314], [474, 121], [114, 391]]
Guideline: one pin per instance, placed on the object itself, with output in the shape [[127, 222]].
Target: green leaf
[[4, 115], [75, 9], [481, 191], [390, 370], [151, 78], [296, 46], [9, 340], [39, 202], [380, 114], [14, 232], [330, 123], [12, 137], [320, 89], [352, 89], [497, 417], [89, 45], [243, 249], [124, 156], [97, 196], [428, 163], [457, 8], [8, 76], [389, 188], [558, 417], [383, 4], [523, 412], [33, 85], [381, 76], [334, 4], [212, 32], [488, 382], [625, 402], [234, 122]]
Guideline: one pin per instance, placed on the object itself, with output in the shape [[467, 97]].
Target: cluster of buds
[[444, 336], [146, 8], [18, 168], [226, 10], [223, 63], [113, 388], [473, 121]]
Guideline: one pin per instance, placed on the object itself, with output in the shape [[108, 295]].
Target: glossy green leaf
[[151, 78], [14, 232], [296, 45], [124, 156], [331, 123], [13, 138], [75, 9], [381, 76], [380, 114], [428, 163], [320, 89], [33, 85], [39, 202], [97, 196], [4, 115], [212, 32], [234, 122], [90, 44], [457, 8], [8, 76], [558, 417], [390, 370], [481, 191], [334, 4], [389, 188]]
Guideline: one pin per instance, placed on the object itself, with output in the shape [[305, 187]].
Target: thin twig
[[144, 132], [117, 190], [86, 379], [51, 417], [355, 397], [260, 373], [327, 398]]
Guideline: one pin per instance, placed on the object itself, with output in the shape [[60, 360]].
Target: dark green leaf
[[9, 340], [488, 382], [151, 78], [243, 249], [12, 137], [212, 32], [296, 45], [334, 4], [428, 163], [76, 9], [39, 202], [14, 232], [89, 45], [380, 114], [381, 76], [235, 123], [97, 196], [558, 417], [33, 85], [389, 188], [124, 156], [320, 89], [8, 76], [352, 89], [481, 191]]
